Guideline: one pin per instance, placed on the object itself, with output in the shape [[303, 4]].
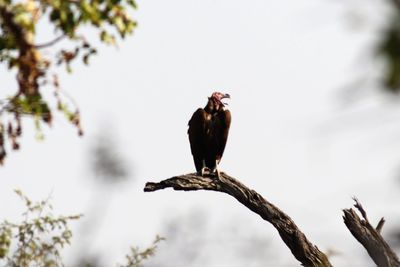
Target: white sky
[[294, 138]]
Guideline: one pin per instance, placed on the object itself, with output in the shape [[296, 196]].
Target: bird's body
[[208, 133]]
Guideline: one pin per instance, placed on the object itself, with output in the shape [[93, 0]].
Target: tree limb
[[370, 237], [50, 43], [302, 249]]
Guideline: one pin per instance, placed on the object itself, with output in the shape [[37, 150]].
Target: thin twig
[[380, 225], [50, 43]]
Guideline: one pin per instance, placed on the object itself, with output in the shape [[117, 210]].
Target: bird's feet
[[216, 173], [216, 169], [204, 171]]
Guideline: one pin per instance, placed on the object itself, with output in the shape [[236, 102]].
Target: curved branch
[[370, 237], [50, 43], [302, 249]]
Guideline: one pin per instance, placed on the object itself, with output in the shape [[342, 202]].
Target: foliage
[[106, 163], [136, 256], [38, 239], [389, 49], [20, 52]]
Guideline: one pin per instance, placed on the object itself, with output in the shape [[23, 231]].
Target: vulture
[[208, 133]]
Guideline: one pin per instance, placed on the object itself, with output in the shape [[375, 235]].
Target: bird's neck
[[213, 106]]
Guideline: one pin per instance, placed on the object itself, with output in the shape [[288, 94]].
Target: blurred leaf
[[107, 38], [107, 164], [38, 237], [389, 49], [19, 51]]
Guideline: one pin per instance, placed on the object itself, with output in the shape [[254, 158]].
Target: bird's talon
[[204, 171], [218, 175]]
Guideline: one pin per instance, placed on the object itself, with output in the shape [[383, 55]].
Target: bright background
[[310, 130]]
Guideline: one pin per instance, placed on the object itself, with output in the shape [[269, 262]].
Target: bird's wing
[[197, 136], [222, 125]]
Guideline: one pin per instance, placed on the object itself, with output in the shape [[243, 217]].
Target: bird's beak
[[226, 96]]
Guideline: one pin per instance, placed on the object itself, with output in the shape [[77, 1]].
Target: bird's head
[[217, 96]]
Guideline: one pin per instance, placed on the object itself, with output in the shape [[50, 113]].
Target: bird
[[208, 132]]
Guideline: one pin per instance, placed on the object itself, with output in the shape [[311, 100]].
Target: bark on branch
[[302, 249], [370, 237]]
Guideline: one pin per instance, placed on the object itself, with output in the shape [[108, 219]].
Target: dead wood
[[370, 237], [302, 249]]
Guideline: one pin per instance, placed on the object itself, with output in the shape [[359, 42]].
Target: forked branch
[[302, 249], [370, 237]]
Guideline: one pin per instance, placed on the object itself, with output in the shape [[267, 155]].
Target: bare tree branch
[[380, 225], [302, 249], [370, 237], [50, 43]]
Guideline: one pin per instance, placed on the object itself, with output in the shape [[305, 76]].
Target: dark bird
[[208, 133]]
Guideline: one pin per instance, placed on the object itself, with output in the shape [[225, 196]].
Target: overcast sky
[[300, 136]]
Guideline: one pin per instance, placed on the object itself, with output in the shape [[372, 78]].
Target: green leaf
[[131, 3], [119, 23], [106, 38], [55, 15]]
